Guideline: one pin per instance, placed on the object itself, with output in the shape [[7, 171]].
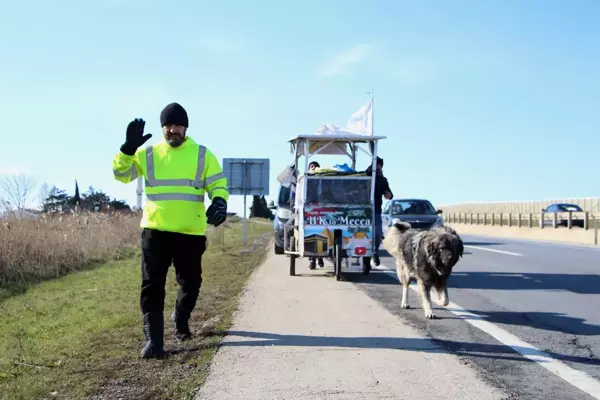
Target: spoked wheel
[[338, 258]]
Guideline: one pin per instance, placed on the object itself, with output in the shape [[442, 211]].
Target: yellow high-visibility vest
[[176, 179]]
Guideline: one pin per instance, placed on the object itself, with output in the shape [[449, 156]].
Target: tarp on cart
[[331, 140]]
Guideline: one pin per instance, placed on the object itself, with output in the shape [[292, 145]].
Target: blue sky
[[480, 101]]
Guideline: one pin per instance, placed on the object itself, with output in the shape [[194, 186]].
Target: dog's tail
[[402, 226], [393, 240]]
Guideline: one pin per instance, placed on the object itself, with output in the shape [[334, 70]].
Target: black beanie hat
[[174, 114]]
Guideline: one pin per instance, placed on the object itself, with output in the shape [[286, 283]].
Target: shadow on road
[[576, 283], [383, 253], [549, 321], [541, 320], [411, 344], [375, 277]]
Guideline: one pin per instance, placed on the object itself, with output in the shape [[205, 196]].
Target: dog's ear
[[458, 245], [461, 247], [456, 240]]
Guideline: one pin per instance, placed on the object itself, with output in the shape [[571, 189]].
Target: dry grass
[[35, 250]]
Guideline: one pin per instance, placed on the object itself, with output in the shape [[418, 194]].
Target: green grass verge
[[79, 337]]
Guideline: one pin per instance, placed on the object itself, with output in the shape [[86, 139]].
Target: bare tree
[[4, 206], [17, 191], [43, 193]]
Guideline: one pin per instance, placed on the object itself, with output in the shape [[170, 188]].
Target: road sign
[[247, 177]]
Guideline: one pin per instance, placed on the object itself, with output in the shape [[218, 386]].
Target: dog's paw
[[443, 302], [430, 315], [405, 305], [442, 298]]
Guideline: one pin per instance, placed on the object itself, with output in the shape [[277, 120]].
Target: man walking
[[382, 189], [178, 174], [312, 167]]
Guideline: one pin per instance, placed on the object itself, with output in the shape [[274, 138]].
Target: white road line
[[383, 268], [579, 379], [495, 251]]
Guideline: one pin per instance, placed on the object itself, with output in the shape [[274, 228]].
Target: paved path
[[311, 337]]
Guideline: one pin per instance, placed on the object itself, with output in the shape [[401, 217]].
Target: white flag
[[361, 121]]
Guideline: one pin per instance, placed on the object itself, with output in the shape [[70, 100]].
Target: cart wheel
[[278, 249], [293, 258], [292, 264], [338, 259]]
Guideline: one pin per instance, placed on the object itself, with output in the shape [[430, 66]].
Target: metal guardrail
[[591, 204], [524, 220]]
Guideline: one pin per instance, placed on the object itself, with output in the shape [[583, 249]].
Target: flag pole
[[372, 115]]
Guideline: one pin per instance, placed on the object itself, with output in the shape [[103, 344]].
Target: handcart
[[332, 209]]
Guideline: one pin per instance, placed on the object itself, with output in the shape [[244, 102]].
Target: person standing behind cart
[[312, 167], [382, 189]]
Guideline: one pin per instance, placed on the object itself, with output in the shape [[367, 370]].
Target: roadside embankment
[[559, 234], [79, 336]]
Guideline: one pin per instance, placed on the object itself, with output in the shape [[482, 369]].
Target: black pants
[[159, 250]]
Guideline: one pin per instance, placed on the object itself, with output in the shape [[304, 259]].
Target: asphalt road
[[547, 295]]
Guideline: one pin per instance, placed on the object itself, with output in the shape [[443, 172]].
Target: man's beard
[[175, 141]]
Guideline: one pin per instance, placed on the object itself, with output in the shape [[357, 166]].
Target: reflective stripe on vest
[[153, 182], [132, 171], [217, 188], [214, 178], [176, 196], [197, 183]]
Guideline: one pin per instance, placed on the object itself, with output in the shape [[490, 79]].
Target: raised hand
[[135, 137]]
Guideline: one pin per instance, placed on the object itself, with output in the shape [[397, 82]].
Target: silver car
[[419, 213]]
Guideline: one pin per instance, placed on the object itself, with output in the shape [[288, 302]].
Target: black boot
[[154, 330], [181, 324], [376, 260]]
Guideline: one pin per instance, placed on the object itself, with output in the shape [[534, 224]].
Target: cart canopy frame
[[342, 143]]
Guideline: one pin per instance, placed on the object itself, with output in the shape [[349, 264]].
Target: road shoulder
[[310, 336]]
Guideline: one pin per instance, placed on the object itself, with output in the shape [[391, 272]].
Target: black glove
[[217, 212], [135, 136]]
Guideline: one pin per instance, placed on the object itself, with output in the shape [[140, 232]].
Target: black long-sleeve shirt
[[381, 186]]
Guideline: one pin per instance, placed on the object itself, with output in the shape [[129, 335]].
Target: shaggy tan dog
[[425, 256]]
